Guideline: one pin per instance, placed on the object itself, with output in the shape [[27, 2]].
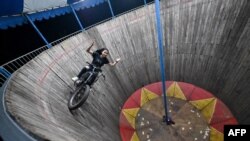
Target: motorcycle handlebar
[[99, 69], [95, 67]]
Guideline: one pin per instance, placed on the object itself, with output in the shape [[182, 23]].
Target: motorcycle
[[83, 86]]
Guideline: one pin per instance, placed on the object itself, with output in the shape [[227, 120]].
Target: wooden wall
[[206, 43]]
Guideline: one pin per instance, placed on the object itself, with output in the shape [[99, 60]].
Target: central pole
[[166, 118]]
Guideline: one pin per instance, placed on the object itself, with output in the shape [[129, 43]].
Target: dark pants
[[84, 69], [92, 79]]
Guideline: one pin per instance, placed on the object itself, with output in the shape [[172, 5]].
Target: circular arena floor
[[197, 114]]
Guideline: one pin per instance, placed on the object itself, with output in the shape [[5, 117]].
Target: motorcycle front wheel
[[78, 97]]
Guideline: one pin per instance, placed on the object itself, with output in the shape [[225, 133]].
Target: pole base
[[168, 120]]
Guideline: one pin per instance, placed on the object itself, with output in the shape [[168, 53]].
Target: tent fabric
[[86, 4], [40, 5], [14, 7], [6, 22], [39, 16], [43, 9], [73, 1], [11, 7]]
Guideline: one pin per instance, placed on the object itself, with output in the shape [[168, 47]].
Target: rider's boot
[[78, 81], [75, 78]]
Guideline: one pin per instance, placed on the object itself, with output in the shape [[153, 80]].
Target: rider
[[99, 59]]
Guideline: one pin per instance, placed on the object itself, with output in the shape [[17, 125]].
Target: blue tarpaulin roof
[[11, 11]]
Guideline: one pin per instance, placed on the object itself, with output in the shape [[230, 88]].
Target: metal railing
[[65, 38], [8, 68]]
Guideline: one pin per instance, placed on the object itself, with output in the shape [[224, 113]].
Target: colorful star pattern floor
[[197, 113]]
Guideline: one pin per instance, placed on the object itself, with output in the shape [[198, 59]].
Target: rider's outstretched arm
[[89, 48], [114, 63]]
